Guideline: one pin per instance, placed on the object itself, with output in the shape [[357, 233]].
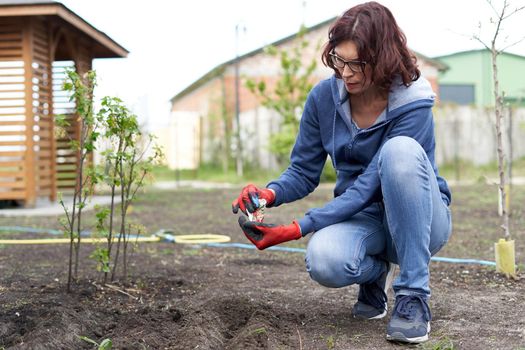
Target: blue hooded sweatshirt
[[326, 128]]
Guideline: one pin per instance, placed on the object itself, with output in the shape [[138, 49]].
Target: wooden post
[[52, 165], [30, 183]]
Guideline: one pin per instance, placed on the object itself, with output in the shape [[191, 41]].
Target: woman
[[373, 117]]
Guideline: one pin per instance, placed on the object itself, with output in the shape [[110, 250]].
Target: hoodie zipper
[[364, 131]]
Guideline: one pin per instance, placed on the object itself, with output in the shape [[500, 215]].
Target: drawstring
[[334, 161]]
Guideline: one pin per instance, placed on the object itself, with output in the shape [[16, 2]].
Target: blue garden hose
[[302, 250], [173, 238]]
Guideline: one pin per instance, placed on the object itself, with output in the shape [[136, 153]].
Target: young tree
[[501, 15], [81, 89], [289, 95], [126, 167], [504, 249]]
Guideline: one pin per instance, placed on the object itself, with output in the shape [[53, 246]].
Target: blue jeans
[[407, 228]]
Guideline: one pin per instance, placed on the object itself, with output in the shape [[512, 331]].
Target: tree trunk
[[499, 137]]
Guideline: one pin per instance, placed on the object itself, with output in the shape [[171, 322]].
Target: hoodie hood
[[401, 98]]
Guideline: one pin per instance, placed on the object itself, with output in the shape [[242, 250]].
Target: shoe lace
[[407, 306]]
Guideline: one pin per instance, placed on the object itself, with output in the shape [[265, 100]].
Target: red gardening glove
[[249, 199], [267, 235]]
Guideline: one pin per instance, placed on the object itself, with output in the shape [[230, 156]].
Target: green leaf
[[261, 86], [88, 340], [106, 344]]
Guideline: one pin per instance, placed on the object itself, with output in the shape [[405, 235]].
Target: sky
[[172, 43]]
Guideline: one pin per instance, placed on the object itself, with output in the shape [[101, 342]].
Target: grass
[[461, 170], [464, 170], [260, 330], [439, 344], [214, 174]]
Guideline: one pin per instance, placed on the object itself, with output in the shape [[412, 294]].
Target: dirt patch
[[187, 297]]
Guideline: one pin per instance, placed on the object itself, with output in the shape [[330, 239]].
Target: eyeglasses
[[356, 66]]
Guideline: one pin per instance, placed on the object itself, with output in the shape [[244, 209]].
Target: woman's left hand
[[266, 235]]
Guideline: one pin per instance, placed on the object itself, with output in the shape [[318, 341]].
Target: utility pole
[[237, 102]]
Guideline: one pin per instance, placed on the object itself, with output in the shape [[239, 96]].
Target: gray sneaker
[[372, 299], [410, 321]]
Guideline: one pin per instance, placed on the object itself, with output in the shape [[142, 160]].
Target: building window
[[462, 94]]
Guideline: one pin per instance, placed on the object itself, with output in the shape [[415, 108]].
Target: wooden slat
[[12, 26], [44, 122], [44, 182], [13, 195], [11, 173], [13, 184], [44, 171], [42, 163], [46, 93], [12, 143], [44, 156], [42, 87], [12, 133], [11, 52], [44, 135], [9, 28], [10, 58], [10, 106], [69, 174], [11, 163], [10, 44], [11, 122], [12, 153], [46, 144], [11, 91], [40, 39], [12, 35], [6, 98], [40, 56], [41, 49]]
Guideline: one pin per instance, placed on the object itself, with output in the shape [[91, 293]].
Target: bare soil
[[201, 297]]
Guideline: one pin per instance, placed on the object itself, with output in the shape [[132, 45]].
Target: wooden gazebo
[[38, 41]]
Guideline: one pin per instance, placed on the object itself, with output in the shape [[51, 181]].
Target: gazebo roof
[[103, 45]]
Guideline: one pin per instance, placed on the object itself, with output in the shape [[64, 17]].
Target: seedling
[[260, 330], [106, 344]]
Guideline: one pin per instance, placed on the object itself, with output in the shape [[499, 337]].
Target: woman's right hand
[[249, 198]]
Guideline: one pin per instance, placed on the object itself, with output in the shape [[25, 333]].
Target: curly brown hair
[[379, 40]]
